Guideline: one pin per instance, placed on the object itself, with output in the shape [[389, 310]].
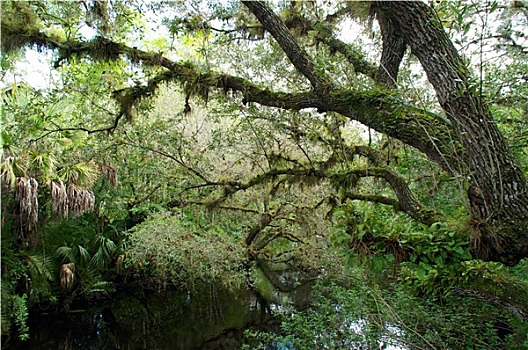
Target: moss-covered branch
[[300, 25], [289, 44], [379, 110], [344, 181], [372, 198]]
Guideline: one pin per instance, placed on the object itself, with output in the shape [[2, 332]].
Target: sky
[[34, 70]]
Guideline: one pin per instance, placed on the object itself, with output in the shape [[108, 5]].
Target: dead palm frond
[[27, 202], [110, 174], [80, 200], [59, 199], [67, 275]]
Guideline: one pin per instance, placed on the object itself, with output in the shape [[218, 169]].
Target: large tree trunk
[[498, 191]]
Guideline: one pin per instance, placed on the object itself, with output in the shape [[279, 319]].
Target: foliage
[[171, 249], [214, 154], [362, 315], [14, 305], [368, 234], [19, 311], [436, 260]]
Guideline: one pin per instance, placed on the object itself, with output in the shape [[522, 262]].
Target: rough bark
[[297, 55], [394, 47], [498, 191]]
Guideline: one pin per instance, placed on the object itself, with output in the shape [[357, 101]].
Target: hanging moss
[[19, 23]]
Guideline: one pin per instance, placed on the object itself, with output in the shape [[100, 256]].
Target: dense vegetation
[[376, 149]]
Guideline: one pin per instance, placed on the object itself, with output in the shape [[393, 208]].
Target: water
[[168, 320]]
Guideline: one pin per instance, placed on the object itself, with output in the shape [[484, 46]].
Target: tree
[[497, 188], [463, 139], [253, 110]]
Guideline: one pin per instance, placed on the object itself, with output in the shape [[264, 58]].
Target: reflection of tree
[[66, 341]]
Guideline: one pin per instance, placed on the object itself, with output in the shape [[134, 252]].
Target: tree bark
[[498, 191], [297, 55], [394, 47]]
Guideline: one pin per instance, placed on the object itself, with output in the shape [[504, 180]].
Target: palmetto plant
[[33, 157], [104, 251], [88, 280], [76, 254], [11, 168], [40, 270]]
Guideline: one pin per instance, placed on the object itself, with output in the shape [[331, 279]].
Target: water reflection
[[209, 319]]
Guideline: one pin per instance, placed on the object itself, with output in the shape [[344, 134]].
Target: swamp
[[264, 174]]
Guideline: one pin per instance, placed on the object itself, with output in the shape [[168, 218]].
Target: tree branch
[[373, 198], [394, 47], [407, 202], [145, 197], [175, 159], [297, 55], [378, 110], [509, 305]]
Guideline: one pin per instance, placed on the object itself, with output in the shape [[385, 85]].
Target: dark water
[[210, 319]]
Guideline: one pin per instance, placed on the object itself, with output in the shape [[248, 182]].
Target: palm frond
[[82, 174], [77, 254], [39, 266], [11, 168], [66, 253], [27, 202], [59, 199], [7, 172], [43, 164], [105, 250], [84, 254], [99, 287]]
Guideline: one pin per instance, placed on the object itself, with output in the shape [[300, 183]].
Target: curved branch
[[373, 198], [379, 110], [265, 220], [297, 55], [407, 202]]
